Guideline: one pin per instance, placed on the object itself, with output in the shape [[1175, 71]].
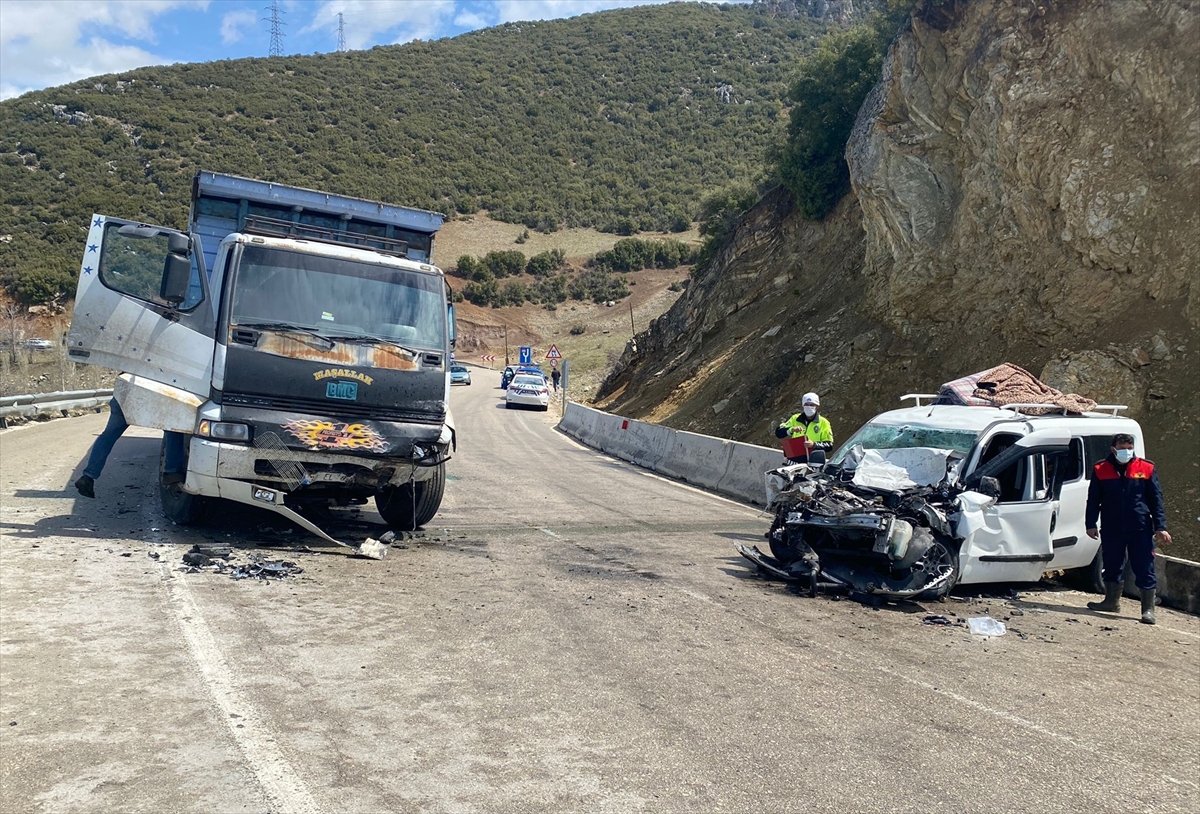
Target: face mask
[[1124, 456], [810, 411]]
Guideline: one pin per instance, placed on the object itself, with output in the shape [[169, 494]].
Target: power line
[[341, 33], [277, 24]]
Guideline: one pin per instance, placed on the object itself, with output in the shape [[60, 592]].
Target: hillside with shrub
[[620, 120]]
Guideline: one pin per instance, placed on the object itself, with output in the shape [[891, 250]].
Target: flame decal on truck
[[336, 435]]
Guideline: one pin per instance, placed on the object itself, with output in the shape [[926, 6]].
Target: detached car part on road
[[924, 498]]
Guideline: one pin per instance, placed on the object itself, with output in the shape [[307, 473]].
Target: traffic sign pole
[[563, 385]]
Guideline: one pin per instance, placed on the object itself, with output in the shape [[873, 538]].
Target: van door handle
[[1053, 521]]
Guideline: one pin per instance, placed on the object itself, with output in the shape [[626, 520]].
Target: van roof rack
[[1111, 409], [274, 227]]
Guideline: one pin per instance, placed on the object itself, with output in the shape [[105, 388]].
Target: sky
[[44, 43]]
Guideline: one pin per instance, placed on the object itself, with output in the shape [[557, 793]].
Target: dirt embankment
[[993, 219]]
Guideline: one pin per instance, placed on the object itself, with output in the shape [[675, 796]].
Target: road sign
[[553, 353], [488, 358], [526, 355], [553, 363]]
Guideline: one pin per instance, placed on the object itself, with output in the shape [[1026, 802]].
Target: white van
[[925, 497]]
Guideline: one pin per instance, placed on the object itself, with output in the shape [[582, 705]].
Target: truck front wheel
[[179, 506], [410, 506]]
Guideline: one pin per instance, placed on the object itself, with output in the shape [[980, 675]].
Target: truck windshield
[[338, 297], [906, 436]]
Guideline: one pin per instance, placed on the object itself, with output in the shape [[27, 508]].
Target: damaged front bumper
[[828, 535]]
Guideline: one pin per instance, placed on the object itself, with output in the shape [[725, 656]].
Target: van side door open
[[1008, 515], [143, 305]]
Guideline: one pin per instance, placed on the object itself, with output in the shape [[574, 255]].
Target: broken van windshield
[[906, 436], [337, 297]]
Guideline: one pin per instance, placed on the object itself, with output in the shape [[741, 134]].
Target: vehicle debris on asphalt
[[217, 558], [985, 626], [939, 619]]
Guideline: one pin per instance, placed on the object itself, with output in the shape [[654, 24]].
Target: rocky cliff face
[[1025, 182]]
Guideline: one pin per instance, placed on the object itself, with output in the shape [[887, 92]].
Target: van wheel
[[178, 506], [1090, 577], [410, 506], [941, 557]]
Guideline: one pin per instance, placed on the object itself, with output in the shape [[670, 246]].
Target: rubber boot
[[1148, 597], [1112, 599]]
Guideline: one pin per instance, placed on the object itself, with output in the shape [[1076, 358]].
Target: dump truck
[[299, 340]]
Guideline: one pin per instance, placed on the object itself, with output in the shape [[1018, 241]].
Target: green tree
[[504, 263], [545, 262], [466, 266], [832, 85]]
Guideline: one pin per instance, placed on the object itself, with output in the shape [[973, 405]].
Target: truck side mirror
[[177, 272], [453, 327]]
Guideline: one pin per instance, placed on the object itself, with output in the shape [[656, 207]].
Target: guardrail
[[34, 404]]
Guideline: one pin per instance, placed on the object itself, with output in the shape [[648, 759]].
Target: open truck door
[[143, 307]]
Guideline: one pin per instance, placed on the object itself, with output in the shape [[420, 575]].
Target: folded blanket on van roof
[[1009, 384]]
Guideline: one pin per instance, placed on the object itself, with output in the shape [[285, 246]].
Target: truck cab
[[300, 340]]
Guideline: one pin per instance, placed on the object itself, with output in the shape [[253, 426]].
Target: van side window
[[1070, 466], [1065, 468], [1095, 450], [1012, 478]]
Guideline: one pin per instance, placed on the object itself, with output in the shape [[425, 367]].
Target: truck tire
[[178, 506], [408, 507]]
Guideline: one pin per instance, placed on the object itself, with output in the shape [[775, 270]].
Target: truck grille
[[326, 408]]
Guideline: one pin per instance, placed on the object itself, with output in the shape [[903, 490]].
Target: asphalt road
[[570, 634]]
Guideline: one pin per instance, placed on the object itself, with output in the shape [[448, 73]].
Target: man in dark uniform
[[1125, 497]]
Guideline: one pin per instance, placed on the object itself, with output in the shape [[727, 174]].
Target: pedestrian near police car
[[1125, 511], [810, 425]]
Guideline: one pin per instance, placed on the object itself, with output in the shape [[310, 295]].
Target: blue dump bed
[[221, 205]]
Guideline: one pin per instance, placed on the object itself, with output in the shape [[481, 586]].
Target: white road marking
[[548, 531], [1182, 632], [284, 789]]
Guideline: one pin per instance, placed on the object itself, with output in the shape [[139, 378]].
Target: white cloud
[[511, 10], [235, 24], [471, 20], [44, 44], [367, 20]]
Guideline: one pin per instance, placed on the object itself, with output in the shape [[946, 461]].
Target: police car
[[527, 390]]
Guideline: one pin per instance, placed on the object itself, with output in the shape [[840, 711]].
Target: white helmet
[[811, 398]]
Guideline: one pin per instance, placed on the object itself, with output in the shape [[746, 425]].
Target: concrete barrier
[[698, 459], [571, 419], [744, 475], [738, 471], [1178, 582], [727, 467]]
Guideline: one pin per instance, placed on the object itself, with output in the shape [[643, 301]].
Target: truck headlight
[[224, 430]]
